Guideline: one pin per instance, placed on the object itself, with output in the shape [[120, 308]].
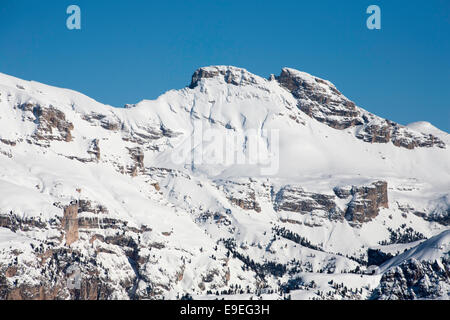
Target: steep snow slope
[[236, 184], [430, 250]]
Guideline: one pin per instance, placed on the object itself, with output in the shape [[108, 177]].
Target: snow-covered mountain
[[236, 186]]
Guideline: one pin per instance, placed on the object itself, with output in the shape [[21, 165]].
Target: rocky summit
[[235, 186]]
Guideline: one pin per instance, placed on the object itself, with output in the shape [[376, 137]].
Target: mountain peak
[[240, 76], [304, 76], [226, 74], [295, 80]]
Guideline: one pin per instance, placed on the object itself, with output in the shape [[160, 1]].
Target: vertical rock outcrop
[[94, 149], [137, 155], [69, 223], [366, 201]]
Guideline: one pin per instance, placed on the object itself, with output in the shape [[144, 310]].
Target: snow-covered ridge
[[316, 97], [321, 100], [431, 250], [428, 128]]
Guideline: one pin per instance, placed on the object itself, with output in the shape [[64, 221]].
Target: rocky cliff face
[[295, 199], [365, 202], [321, 100], [51, 123]]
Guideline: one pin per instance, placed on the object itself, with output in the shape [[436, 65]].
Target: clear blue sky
[[133, 50]]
